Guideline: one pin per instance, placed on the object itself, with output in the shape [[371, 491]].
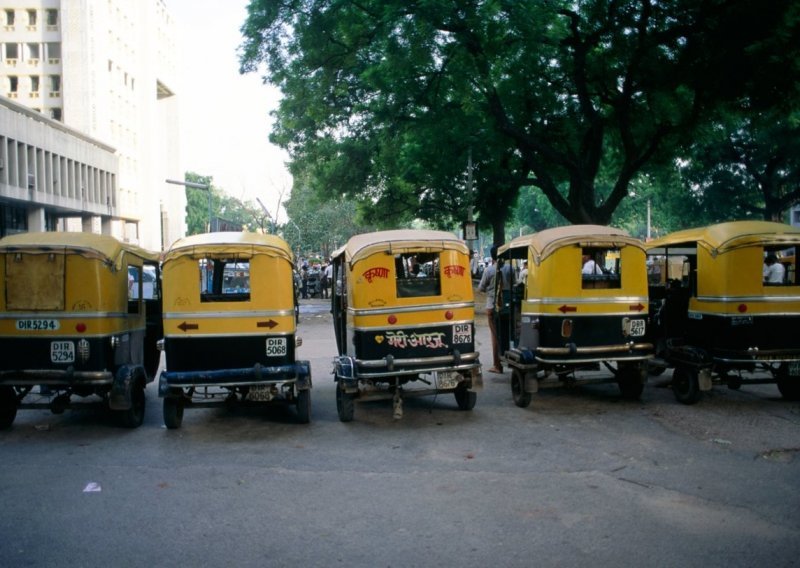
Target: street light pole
[[196, 185]]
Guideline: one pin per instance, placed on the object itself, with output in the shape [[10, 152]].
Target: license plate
[[276, 346], [447, 379], [260, 393], [462, 333], [637, 328], [38, 325], [62, 352]]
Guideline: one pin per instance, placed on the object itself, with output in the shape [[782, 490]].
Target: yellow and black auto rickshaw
[[76, 320], [230, 316], [725, 301], [403, 312], [582, 304]]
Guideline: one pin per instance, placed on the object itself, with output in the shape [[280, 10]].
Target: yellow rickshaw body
[[404, 311], [74, 314], [230, 316], [720, 305]]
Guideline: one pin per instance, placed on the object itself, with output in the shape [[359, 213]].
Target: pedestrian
[[327, 272], [774, 271], [487, 285], [304, 278]]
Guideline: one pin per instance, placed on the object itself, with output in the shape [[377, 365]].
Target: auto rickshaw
[[230, 315], [75, 321], [715, 319], [583, 303], [403, 313]]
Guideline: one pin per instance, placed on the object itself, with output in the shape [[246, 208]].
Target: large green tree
[[383, 99]]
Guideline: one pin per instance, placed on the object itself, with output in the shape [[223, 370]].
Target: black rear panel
[[227, 352], [416, 342]]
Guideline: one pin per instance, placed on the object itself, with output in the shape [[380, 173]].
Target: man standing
[[487, 285]]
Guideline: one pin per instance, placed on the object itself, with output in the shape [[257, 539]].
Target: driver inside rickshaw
[[774, 272]]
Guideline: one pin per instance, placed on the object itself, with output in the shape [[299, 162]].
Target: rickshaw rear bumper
[[350, 370], [298, 373], [55, 377], [573, 354]]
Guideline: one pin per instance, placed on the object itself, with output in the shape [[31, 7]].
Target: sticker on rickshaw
[[276, 346], [62, 352], [447, 379], [452, 270], [38, 325], [462, 333]]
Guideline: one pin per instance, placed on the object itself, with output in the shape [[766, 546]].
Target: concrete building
[[89, 119]]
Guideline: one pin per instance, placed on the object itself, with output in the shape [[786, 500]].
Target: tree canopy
[[383, 100]]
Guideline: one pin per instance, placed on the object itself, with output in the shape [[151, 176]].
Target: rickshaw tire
[[521, 398], [173, 412], [345, 405], [465, 399], [303, 403], [789, 388], [685, 385], [8, 407], [133, 417]]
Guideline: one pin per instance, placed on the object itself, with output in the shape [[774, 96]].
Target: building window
[[34, 84], [13, 84], [55, 113], [12, 51], [34, 52], [52, 17], [9, 17], [31, 18], [54, 52], [55, 85]]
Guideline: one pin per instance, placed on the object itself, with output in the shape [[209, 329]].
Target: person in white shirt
[[590, 266], [774, 271]]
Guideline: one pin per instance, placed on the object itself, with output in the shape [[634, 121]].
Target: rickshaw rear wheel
[[629, 380], [303, 403], [8, 406], [788, 385], [465, 399], [685, 385], [345, 405], [521, 398], [173, 412], [133, 417]]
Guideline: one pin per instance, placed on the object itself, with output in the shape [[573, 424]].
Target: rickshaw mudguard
[[344, 370], [298, 373], [120, 396]]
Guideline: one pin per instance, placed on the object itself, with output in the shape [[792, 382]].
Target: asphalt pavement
[[580, 478]]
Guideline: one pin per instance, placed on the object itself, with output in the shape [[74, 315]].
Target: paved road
[[579, 478]]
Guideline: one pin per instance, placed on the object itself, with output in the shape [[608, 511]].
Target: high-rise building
[[99, 77]]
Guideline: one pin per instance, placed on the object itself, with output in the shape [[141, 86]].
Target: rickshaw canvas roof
[[229, 243], [398, 241], [724, 237], [544, 243], [102, 247]]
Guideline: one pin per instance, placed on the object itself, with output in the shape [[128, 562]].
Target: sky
[[225, 117]]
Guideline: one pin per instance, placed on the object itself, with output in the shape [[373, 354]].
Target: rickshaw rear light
[[392, 319], [742, 308], [448, 315], [80, 327]]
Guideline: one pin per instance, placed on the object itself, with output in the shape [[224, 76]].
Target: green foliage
[[225, 210], [383, 100]]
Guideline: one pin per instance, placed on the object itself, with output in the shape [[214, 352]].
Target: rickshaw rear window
[[780, 268], [601, 268], [35, 281], [417, 275], [224, 280]]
